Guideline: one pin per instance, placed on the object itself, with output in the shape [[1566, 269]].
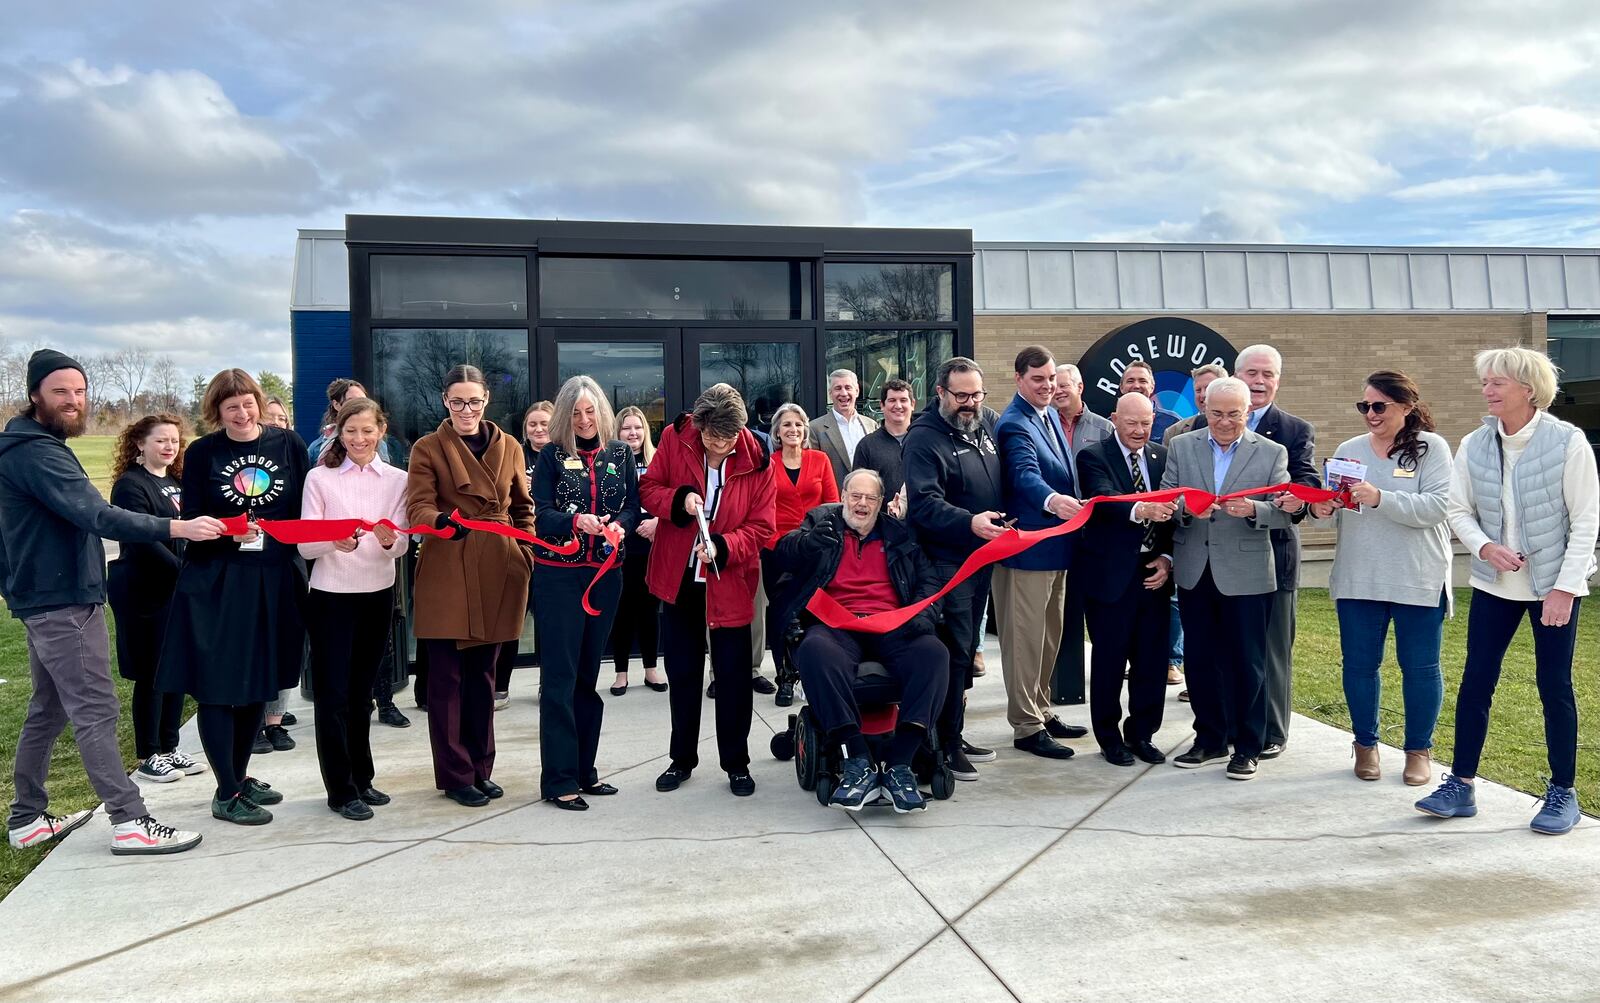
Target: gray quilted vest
[[1535, 491]]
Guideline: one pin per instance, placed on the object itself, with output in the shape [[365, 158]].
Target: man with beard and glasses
[[953, 496], [52, 577]]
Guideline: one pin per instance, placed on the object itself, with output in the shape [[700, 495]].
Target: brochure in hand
[[1339, 473]]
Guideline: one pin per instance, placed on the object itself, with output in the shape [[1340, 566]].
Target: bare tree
[[166, 383], [97, 371], [127, 370]]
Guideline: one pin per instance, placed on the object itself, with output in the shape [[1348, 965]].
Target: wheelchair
[[817, 766]]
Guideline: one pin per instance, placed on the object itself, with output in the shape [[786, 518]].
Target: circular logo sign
[[1171, 345]]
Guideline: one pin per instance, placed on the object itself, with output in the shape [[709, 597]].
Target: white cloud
[[1477, 184], [1536, 126]]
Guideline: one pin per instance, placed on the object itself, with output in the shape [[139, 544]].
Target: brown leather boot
[[1419, 767], [1366, 761]]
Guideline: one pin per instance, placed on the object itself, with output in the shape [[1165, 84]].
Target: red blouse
[[814, 487]]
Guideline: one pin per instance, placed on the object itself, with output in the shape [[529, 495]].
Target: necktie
[[1055, 437], [1149, 541]]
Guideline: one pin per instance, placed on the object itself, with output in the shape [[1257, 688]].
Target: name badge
[[572, 463], [1401, 472]]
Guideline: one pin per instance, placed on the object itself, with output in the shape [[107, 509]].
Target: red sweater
[[814, 487], [861, 583]]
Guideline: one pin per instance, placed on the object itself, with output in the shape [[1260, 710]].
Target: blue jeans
[[1363, 628], [1175, 633]]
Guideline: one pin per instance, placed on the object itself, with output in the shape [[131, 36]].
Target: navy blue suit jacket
[[1032, 469]]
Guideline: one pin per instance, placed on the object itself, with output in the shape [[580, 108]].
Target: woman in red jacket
[[803, 480], [707, 461]]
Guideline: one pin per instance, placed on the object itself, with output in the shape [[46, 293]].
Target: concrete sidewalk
[[1043, 881]]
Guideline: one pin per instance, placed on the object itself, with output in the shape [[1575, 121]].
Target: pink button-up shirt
[[373, 492]]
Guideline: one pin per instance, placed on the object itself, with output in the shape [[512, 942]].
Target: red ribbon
[[828, 610]]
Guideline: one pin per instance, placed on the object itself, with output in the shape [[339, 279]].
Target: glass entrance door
[[768, 367], [634, 366]]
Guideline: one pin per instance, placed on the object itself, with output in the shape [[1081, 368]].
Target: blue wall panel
[[320, 341]]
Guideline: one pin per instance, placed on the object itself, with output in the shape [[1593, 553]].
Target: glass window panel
[[632, 372], [766, 374], [454, 286], [879, 356], [879, 292], [674, 289], [409, 363]]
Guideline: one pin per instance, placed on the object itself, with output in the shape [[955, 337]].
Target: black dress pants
[[572, 643], [156, 719], [1225, 659], [1131, 630], [827, 659], [963, 612], [638, 615], [683, 631], [461, 712], [349, 631]]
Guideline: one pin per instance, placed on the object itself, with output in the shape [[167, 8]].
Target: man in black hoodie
[[52, 578], [952, 495]]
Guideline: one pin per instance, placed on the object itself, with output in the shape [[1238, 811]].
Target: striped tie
[[1149, 541]]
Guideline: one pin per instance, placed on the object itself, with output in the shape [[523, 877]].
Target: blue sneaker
[[858, 784], [1560, 811], [1454, 798], [901, 786]]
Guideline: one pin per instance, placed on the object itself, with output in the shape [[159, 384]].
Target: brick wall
[[1325, 359]]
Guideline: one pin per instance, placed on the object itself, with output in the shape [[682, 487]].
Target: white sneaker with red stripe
[[146, 835], [47, 828]]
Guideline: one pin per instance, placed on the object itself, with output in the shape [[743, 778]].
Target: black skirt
[[235, 633]]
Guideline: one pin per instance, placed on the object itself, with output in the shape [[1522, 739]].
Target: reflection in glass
[[879, 356], [880, 292], [455, 286], [674, 289], [409, 363], [766, 374], [631, 372]]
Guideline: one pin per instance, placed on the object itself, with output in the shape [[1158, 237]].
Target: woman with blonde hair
[[638, 611], [1525, 501], [584, 483]]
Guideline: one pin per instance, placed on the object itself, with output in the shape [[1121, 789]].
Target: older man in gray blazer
[[838, 432], [1222, 559]]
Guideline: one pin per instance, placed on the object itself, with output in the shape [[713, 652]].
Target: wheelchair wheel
[[943, 783], [782, 744], [807, 757], [824, 790]]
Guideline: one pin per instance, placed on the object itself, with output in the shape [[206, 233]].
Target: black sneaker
[[1241, 768], [355, 811], [711, 690], [741, 784], [858, 784], [262, 746], [289, 720], [960, 767], [1272, 750], [785, 695], [280, 739], [392, 717], [259, 792], [977, 753], [761, 684], [1196, 756], [901, 784]]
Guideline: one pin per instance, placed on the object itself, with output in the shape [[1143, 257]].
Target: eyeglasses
[[960, 398], [1376, 407], [457, 404], [856, 498], [1225, 415]]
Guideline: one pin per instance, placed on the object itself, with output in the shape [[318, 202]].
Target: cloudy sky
[[156, 158]]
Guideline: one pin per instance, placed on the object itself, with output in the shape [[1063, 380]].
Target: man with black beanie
[[52, 578]]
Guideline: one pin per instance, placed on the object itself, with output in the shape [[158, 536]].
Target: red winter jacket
[[742, 525]]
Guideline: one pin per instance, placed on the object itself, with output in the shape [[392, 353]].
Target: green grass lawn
[[94, 452]]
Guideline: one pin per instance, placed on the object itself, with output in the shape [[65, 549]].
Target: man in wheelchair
[[869, 562]]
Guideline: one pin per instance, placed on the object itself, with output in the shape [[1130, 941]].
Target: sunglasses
[[1376, 407]]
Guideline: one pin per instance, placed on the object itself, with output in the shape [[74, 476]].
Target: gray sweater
[[1399, 551]]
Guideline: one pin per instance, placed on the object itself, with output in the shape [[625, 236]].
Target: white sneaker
[[47, 828], [146, 835], [502, 701], [158, 769], [185, 763]]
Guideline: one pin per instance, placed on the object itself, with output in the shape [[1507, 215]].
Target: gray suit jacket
[[1091, 429], [1238, 550], [825, 436]]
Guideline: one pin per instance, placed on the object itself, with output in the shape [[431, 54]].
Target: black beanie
[[46, 361]]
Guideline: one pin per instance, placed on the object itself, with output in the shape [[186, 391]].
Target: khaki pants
[[1029, 609]]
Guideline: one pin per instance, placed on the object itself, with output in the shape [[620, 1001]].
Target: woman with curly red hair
[[146, 465]]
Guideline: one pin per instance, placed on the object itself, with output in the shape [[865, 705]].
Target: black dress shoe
[[289, 720], [785, 695], [570, 804], [617, 691], [489, 789], [392, 717], [1060, 729], [672, 778], [1119, 755], [601, 789], [1272, 750], [658, 687], [1147, 752], [355, 811], [711, 690], [371, 795], [761, 684], [741, 784], [1041, 744], [467, 797], [278, 737]]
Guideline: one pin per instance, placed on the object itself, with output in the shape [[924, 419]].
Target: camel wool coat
[[473, 590]]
